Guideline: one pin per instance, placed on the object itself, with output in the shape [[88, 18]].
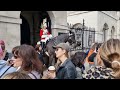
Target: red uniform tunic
[[41, 33]]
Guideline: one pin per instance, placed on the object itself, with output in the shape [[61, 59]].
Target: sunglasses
[[57, 48], [15, 57]]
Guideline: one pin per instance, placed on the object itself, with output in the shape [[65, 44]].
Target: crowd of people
[[101, 61]]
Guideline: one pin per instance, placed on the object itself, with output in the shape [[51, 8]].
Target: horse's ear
[[70, 32]]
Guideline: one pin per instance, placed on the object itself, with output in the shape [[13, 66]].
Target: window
[[105, 28], [112, 32]]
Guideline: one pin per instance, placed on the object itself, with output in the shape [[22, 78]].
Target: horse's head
[[72, 41], [71, 38]]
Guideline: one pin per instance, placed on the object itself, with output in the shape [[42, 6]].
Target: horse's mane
[[54, 41], [60, 38]]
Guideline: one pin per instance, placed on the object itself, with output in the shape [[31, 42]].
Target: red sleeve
[[41, 32], [48, 32]]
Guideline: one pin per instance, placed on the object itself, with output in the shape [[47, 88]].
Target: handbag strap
[[33, 75], [5, 71], [2, 66]]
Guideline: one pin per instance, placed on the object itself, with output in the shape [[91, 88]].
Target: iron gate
[[85, 36]]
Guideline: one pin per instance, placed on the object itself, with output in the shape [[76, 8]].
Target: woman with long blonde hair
[[108, 61]]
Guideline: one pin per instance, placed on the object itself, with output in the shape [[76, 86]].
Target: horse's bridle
[[54, 41]]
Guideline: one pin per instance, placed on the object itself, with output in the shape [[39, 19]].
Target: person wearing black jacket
[[66, 70], [38, 48], [78, 60]]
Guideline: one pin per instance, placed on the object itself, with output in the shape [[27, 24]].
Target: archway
[[105, 28], [112, 32], [31, 25], [43, 15], [79, 25], [25, 31]]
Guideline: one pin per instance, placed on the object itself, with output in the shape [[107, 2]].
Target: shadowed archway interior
[[31, 25]]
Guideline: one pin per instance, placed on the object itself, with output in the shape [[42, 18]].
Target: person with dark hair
[[14, 48], [78, 60], [38, 48], [66, 69], [27, 60], [10, 61]]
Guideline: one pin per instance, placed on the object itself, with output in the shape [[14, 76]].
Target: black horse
[[68, 37]]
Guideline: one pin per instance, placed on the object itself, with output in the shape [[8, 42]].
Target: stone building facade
[[106, 23], [14, 24]]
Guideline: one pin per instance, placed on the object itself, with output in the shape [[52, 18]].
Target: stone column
[[59, 22], [118, 25]]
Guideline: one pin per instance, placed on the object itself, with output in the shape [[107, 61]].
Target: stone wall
[[96, 19], [110, 21], [10, 28], [60, 23]]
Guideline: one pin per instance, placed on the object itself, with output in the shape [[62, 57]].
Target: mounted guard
[[45, 35]]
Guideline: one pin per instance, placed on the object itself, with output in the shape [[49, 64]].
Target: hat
[[2, 42], [63, 46]]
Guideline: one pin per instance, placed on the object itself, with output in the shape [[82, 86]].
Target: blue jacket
[[4, 67], [66, 71]]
